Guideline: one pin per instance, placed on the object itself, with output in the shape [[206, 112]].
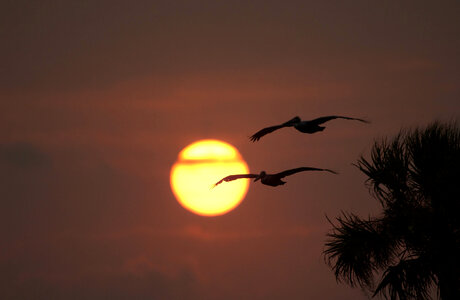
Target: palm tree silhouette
[[415, 243]]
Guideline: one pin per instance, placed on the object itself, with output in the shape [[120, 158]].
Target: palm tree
[[414, 244]]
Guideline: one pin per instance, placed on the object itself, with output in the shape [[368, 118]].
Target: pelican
[[270, 179], [310, 126]]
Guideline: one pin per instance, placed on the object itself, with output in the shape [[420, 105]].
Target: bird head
[[261, 175]]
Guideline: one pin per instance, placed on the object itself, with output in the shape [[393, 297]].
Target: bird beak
[[257, 178]]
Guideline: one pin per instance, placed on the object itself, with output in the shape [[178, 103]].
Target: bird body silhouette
[[310, 126], [270, 179]]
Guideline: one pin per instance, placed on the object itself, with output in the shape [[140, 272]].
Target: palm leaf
[[409, 279], [356, 248]]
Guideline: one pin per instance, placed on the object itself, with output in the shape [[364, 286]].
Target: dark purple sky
[[97, 98]]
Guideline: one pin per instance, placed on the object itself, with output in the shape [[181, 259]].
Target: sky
[[97, 98]]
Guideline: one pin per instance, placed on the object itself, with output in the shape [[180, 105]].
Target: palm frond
[[435, 161], [409, 279], [357, 247], [387, 169]]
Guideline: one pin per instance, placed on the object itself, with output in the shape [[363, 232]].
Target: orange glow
[[198, 167]]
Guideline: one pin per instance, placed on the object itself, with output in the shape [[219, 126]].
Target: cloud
[[199, 233], [23, 155], [150, 285]]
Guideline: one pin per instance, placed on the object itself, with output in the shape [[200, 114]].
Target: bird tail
[[292, 122]]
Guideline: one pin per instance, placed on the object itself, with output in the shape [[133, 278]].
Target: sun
[[198, 167]]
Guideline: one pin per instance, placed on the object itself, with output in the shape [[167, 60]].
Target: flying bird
[[270, 179], [310, 126]]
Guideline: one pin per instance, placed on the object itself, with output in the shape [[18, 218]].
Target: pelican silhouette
[[310, 126], [270, 179]]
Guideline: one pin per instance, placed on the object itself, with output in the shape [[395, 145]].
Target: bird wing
[[301, 169], [234, 177], [322, 120], [255, 137]]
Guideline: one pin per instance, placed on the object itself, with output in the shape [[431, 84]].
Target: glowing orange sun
[[198, 167]]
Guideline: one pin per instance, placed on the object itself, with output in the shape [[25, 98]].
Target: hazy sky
[[97, 98]]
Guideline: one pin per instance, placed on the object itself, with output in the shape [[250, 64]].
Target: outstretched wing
[[301, 169], [255, 137], [322, 120], [234, 177]]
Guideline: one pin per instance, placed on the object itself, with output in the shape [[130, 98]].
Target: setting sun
[[198, 167]]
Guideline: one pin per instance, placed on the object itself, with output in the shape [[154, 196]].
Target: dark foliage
[[415, 243]]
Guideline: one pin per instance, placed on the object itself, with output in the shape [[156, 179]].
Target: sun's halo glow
[[199, 166]]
